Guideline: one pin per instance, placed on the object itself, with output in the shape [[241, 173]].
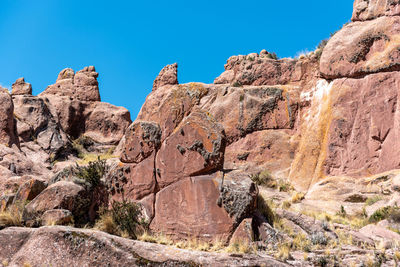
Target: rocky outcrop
[[35, 122], [167, 76], [20, 87], [263, 69], [142, 139], [80, 201], [20, 246], [371, 9], [195, 147], [7, 123], [362, 48], [82, 85]]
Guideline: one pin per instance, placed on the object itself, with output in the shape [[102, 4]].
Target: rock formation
[[316, 134]]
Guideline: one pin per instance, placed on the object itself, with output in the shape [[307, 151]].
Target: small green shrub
[[126, 217], [383, 213], [237, 84], [272, 56], [93, 172], [342, 212], [372, 200], [264, 178]]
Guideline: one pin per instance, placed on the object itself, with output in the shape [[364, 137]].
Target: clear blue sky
[[130, 41]]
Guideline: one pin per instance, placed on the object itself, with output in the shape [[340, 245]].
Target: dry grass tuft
[[283, 252], [297, 197], [11, 217], [241, 247]]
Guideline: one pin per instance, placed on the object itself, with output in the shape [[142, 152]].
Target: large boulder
[[61, 195], [20, 87], [29, 190], [82, 85], [361, 48], [67, 246], [206, 207], [105, 123], [36, 123], [167, 106], [188, 209], [371, 9], [195, 147], [167, 76], [7, 123]]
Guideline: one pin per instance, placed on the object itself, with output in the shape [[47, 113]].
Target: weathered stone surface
[[7, 123], [69, 113], [100, 249], [365, 125], [6, 201], [61, 195], [361, 48], [188, 209], [238, 195], [371, 9], [195, 147], [103, 122], [142, 139], [82, 85], [167, 76], [106, 123], [255, 69], [57, 217], [245, 110], [167, 106], [29, 190], [243, 233], [35, 122], [271, 150], [20, 87], [379, 233], [132, 181]]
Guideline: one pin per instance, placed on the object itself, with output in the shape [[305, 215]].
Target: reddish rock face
[[61, 195], [7, 124], [243, 233], [167, 76], [271, 150], [195, 147], [82, 86], [365, 127], [133, 181], [167, 106], [361, 48], [20, 87], [105, 123], [188, 209], [29, 190], [27, 245], [245, 110], [57, 217], [371, 9], [255, 69], [142, 139]]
